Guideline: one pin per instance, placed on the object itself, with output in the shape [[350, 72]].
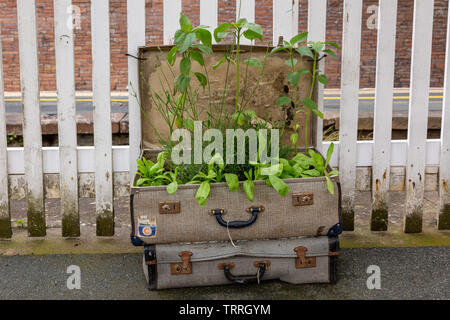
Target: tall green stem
[[308, 111], [295, 100], [238, 44]]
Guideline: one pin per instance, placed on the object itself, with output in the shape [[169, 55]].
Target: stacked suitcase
[[232, 240]]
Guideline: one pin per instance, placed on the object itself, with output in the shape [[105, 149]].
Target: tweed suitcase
[[296, 261], [309, 210]]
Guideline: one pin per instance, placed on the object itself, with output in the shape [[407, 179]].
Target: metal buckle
[[169, 207], [184, 267], [303, 199], [302, 262]]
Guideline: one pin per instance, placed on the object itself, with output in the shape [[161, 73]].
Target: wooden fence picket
[[444, 172], [171, 16], [209, 14], [285, 19], [32, 134], [387, 26], [67, 126], [418, 114], [351, 47], [136, 39], [245, 9], [102, 117], [5, 216]]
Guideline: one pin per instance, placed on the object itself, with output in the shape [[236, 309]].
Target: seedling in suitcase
[[215, 174]]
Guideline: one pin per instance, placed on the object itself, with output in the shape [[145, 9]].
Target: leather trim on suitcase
[[150, 263], [135, 241], [334, 248], [338, 228]]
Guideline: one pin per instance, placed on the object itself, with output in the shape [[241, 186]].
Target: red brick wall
[[227, 13]]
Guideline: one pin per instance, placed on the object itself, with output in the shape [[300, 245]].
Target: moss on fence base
[[348, 218], [105, 224], [71, 225], [413, 222], [36, 217], [444, 218], [379, 220], [5, 229]]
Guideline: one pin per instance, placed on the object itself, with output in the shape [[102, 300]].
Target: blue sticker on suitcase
[[147, 228]]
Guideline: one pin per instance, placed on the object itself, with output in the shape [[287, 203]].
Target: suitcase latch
[[303, 262], [184, 267], [169, 207], [303, 199]]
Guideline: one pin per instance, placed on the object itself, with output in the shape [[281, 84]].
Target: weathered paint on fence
[[102, 117], [285, 19], [209, 14], [317, 25], [444, 174], [5, 216], [351, 47], [387, 18], [29, 79], [245, 9], [171, 16], [136, 39], [418, 114], [67, 126]]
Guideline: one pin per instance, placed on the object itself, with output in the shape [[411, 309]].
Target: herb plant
[[313, 50], [251, 31]]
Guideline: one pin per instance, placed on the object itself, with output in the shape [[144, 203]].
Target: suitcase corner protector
[[336, 229], [135, 241]]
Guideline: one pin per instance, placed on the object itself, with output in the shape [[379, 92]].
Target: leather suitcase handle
[[245, 279], [254, 211]]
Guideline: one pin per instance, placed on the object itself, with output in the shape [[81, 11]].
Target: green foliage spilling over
[[300, 166]]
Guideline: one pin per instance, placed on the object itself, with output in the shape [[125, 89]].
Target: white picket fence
[[104, 159]]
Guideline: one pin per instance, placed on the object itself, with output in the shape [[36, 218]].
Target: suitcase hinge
[[303, 262], [184, 267]]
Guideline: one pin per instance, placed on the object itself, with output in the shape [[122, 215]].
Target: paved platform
[[406, 273]]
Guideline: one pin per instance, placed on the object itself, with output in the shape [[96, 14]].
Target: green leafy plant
[[299, 47], [155, 174], [14, 139], [21, 224], [240, 28], [178, 103], [215, 174], [303, 166]]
